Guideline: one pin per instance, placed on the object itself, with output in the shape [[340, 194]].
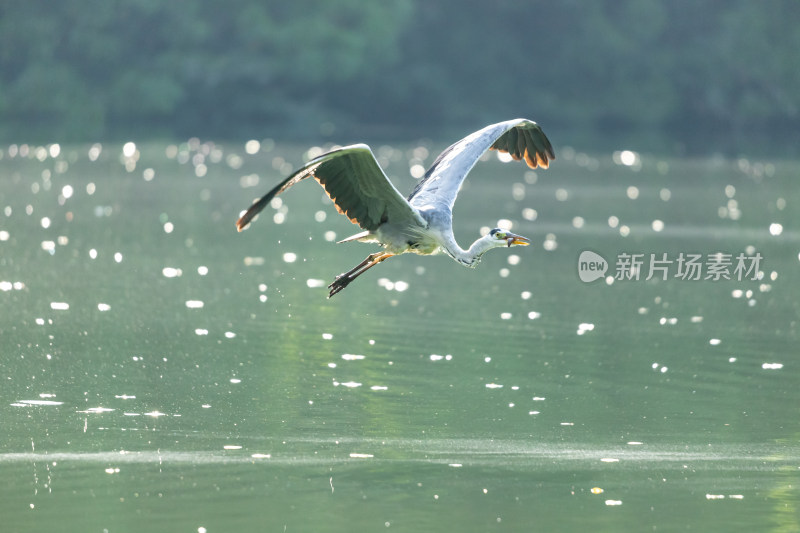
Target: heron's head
[[506, 238], [494, 239]]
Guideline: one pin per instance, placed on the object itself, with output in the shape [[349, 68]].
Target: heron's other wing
[[355, 182], [527, 141], [262, 202], [521, 138]]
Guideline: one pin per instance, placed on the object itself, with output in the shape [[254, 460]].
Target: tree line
[[81, 70]]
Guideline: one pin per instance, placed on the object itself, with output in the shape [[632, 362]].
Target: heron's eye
[[499, 235]]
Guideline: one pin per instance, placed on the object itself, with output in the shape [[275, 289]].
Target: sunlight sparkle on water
[[129, 149], [252, 147], [98, 410], [518, 191], [249, 180], [389, 285], [627, 158], [21, 403], [95, 151], [504, 157], [253, 261], [529, 214]]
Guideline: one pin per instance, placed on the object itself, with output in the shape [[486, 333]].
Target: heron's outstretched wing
[[355, 182], [521, 138]]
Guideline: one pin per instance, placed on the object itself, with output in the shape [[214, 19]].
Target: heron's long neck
[[469, 257]]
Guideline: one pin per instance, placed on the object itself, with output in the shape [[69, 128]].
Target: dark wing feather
[[526, 141], [521, 138], [355, 182]]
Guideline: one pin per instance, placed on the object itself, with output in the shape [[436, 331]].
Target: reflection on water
[[470, 453], [162, 371]]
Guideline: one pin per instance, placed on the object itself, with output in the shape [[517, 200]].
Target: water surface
[[164, 373]]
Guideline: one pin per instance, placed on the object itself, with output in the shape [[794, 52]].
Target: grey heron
[[422, 223]]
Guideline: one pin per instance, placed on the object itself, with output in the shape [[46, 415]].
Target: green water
[[163, 373]]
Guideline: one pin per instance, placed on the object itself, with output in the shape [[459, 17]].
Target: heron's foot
[[341, 281]]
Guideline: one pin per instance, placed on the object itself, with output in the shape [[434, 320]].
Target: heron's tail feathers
[[364, 236]]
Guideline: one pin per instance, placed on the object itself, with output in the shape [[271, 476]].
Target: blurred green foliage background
[[720, 74]]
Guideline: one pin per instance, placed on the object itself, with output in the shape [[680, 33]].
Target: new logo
[[591, 266]]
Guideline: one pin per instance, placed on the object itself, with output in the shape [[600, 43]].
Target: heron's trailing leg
[[343, 280]]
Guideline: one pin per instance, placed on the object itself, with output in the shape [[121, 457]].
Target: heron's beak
[[516, 240]]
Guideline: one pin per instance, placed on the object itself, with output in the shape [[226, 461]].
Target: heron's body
[[423, 223]]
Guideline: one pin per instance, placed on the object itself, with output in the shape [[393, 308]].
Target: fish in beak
[[516, 240]]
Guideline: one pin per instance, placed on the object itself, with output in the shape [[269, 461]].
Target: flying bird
[[423, 222]]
